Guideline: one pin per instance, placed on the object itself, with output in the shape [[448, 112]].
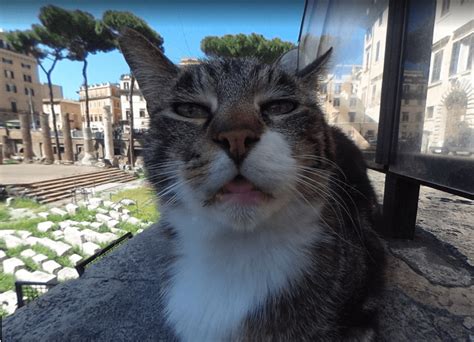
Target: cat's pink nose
[[237, 143]]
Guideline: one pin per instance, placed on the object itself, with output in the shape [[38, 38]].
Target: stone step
[[79, 176]]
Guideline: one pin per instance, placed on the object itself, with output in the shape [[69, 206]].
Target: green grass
[[23, 224], [4, 215], [128, 227], [64, 261], [7, 282], [3, 313], [45, 250], [15, 252], [27, 203], [145, 207], [30, 264]]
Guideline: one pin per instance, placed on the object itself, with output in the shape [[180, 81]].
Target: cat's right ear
[[149, 65], [312, 71]]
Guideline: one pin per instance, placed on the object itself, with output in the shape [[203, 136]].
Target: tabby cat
[[266, 210]]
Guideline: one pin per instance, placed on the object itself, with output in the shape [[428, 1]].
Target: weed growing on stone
[[7, 282]]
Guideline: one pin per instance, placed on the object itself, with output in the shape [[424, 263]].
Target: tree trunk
[[55, 127], [131, 142], [89, 157], [26, 137]]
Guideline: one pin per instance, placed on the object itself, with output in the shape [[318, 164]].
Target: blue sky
[[182, 24]]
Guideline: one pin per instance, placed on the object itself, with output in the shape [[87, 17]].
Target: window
[[406, 89], [26, 66], [10, 88], [127, 113], [27, 78], [352, 116], [445, 7], [436, 71], [367, 57], [419, 116], [377, 50], [405, 117], [126, 85], [406, 101], [429, 112], [142, 113], [14, 109], [337, 102], [461, 55], [337, 88], [352, 102], [7, 61], [9, 74]]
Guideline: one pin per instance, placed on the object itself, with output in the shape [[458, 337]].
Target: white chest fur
[[218, 280]]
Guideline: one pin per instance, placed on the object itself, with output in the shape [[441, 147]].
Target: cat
[[266, 210]]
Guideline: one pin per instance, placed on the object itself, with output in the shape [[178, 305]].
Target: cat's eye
[[192, 110], [278, 107]]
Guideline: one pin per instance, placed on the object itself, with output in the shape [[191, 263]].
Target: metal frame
[[19, 289], [401, 192]]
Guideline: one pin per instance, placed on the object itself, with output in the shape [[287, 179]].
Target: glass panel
[[436, 128], [351, 86]]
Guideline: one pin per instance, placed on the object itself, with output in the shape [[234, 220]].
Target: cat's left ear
[[312, 71], [288, 61], [153, 71]]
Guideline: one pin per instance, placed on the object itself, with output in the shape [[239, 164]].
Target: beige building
[[449, 115], [64, 106], [188, 61], [342, 106], [57, 91], [20, 89], [101, 95], [141, 119]]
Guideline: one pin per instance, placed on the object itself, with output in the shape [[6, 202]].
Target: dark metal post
[[400, 205]]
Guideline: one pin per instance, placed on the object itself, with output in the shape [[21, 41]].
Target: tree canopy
[[242, 45], [116, 21]]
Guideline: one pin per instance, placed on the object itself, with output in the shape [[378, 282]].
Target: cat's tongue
[[242, 191]]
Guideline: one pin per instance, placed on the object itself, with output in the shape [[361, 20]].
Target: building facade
[[20, 89], [449, 115], [62, 106], [100, 96], [141, 119]]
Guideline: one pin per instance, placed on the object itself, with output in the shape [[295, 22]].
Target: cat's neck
[[218, 279]]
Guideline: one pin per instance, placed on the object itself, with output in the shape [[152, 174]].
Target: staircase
[[62, 188]]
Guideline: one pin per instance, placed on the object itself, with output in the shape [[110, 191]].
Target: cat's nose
[[237, 143]]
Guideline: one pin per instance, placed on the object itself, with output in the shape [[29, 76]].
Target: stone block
[[74, 236], [68, 223], [67, 273], [5, 232], [57, 211], [39, 259], [127, 201], [112, 223], [96, 225], [134, 220], [102, 211], [90, 248], [114, 214], [43, 214], [124, 217], [102, 218], [96, 201], [45, 226], [11, 265], [28, 253], [8, 300], [75, 258], [108, 204], [3, 255], [58, 247], [31, 240], [9, 201], [36, 276], [84, 224], [23, 234], [57, 235], [139, 231], [71, 208], [118, 231], [92, 207], [12, 241], [126, 211], [51, 266]]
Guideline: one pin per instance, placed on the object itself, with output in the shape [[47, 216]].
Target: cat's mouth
[[241, 191]]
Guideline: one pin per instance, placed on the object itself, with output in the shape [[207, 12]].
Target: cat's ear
[[312, 71], [148, 64], [288, 61]]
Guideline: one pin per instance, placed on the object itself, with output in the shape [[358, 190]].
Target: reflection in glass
[[350, 89]]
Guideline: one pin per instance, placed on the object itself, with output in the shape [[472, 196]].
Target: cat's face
[[232, 139]]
